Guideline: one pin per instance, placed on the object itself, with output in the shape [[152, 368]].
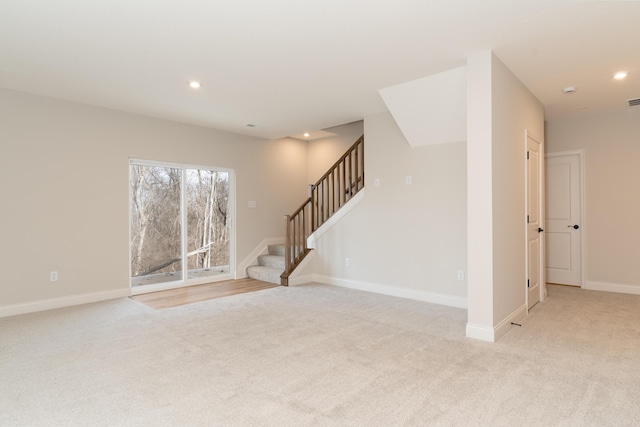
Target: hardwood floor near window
[[191, 294]]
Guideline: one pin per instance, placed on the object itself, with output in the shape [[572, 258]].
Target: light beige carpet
[[321, 355]]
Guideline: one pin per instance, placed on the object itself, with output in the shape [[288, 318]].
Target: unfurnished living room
[[426, 212]]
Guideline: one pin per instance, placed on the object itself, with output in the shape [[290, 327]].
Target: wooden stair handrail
[[341, 159], [333, 190]]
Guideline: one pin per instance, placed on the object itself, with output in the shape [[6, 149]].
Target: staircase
[[270, 266], [336, 187]]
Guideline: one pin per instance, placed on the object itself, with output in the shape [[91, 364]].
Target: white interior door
[[564, 232], [534, 221]]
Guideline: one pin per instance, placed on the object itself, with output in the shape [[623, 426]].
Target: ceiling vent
[[633, 102]]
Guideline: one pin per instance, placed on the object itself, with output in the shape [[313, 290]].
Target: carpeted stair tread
[[270, 266], [266, 274], [276, 250], [275, 261]]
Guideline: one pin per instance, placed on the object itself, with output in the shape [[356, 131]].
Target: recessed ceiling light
[[620, 75], [195, 84], [569, 90], [306, 134]]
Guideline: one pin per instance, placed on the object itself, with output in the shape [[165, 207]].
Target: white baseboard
[[480, 332], [49, 304], [489, 334], [505, 326], [348, 207], [612, 287], [448, 300], [251, 259]]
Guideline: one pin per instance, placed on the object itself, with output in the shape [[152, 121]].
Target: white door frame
[[583, 223], [541, 215]]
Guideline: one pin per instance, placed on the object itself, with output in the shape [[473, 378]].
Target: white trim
[[612, 287], [583, 202], [138, 161], [184, 238], [564, 153], [252, 258], [231, 221], [232, 213], [542, 273], [165, 286], [49, 304], [414, 294], [505, 326], [345, 209], [295, 278], [532, 135], [479, 332], [494, 334], [541, 218]]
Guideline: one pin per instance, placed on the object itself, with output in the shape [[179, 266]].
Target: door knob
[[574, 226], [540, 230]]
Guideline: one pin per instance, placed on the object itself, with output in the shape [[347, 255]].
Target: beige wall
[[64, 185], [499, 110], [404, 240], [323, 153], [514, 111], [611, 144]]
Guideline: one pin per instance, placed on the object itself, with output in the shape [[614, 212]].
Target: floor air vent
[[633, 102]]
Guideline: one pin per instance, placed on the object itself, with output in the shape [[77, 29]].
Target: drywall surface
[[402, 237], [515, 111], [611, 230], [323, 153], [499, 110], [479, 192], [430, 110], [64, 181]]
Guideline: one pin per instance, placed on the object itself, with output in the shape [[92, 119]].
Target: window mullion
[[183, 225]]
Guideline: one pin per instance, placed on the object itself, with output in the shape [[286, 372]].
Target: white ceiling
[[290, 66]]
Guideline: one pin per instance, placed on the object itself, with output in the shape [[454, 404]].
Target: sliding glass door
[[180, 221], [207, 222]]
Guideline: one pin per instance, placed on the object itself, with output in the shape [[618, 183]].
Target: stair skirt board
[[297, 276], [335, 218], [252, 258]]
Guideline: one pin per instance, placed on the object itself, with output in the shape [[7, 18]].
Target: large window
[[180, 223]]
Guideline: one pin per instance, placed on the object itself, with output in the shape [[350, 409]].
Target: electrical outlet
[[346, 262], [460, 274], [53, 276], [407, 180]]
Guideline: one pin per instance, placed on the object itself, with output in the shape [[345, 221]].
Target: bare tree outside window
[[156, 223], [207, 228]]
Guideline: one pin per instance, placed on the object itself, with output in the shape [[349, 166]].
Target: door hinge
[[528, 283], [527, 219], [527, 155]]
